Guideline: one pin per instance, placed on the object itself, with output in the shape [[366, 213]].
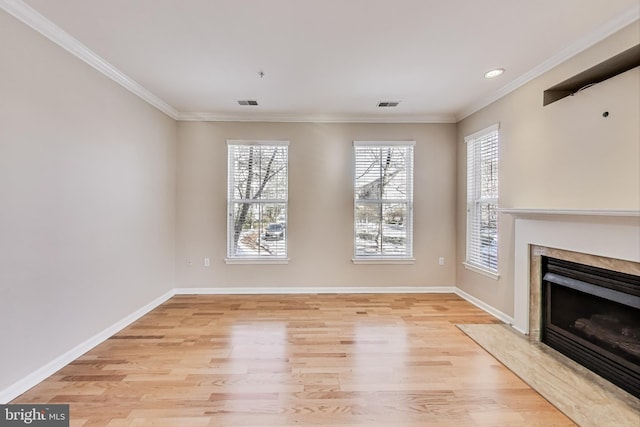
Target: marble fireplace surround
[[535, 280], [609, 239]]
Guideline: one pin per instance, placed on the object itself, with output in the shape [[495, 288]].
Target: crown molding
[[575, 48], [39, 23], [315, 118], [35, 20]]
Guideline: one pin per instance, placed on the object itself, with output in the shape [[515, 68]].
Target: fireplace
[[607, 239], [592, 315]]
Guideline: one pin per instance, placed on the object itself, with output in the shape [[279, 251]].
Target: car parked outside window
[[274, 231]]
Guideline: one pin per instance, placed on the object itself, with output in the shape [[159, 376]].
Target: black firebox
[[592, 315]]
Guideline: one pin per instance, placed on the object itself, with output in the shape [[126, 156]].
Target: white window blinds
[[257, 199], [383, 199], [482, 200]]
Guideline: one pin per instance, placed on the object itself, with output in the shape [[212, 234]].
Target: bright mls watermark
[[34, 415]]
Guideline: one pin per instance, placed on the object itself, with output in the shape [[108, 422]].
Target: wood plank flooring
[[295, 360]]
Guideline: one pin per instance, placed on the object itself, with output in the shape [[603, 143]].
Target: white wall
[[87, 202], [564, 156], [320, 228]]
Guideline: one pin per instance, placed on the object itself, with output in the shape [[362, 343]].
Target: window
[[383, 200], [482, 201], [257, 200]]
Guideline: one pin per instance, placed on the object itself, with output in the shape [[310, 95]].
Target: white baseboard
[[52, 367], [317, 290], [484, 306], [58, 363]]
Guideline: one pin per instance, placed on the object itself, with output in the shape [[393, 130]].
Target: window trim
[[479, 270], [469, 265], [386, 259], [264, 259]]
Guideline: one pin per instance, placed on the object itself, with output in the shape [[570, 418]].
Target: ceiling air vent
[[248, 102], [388, 103]]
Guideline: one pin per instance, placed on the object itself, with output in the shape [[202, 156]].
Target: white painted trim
[[35, 20], [257, 261], [484, 306], [383, 261], [577, 212], [482, 133], [39, 23], [317, 290], [310, 118], [276, 143], [52, 367], [616, 24], [480, 270], [604, 237], [395, 143], [58, 363]]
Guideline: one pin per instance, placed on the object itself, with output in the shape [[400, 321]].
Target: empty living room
[[334, 213]]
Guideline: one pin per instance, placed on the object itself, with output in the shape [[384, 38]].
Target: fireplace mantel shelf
[[570, 212]]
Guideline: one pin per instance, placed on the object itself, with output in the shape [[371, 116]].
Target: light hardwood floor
[[276, 360]]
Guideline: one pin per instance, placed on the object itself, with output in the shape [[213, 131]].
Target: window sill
[[387, 261], [246, 261], [487, 273]]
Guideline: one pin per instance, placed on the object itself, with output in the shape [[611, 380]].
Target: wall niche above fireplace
[[592, 315]]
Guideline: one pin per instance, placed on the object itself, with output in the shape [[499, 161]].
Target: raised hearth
[[607, 239]]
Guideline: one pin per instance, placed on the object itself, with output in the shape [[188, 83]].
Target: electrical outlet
[[207, 262], [441, 260]]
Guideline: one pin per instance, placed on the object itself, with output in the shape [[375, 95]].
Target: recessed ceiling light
[[493, 73]]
